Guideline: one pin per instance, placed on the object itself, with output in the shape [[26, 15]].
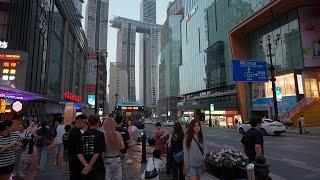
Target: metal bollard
[[144, 148], [250, 171]]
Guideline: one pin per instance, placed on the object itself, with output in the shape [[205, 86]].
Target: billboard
[[91, 75], [309, 19], [92, 100]]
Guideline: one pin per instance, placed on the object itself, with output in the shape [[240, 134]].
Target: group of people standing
[[186, 149], [17, 147]]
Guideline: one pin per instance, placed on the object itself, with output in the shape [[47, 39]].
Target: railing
[[303, 102]]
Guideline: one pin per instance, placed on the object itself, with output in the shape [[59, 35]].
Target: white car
[[269, 127], [169, 123]]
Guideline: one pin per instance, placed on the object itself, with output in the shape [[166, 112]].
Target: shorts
[[7, 169], [195, 171], [59, 149]]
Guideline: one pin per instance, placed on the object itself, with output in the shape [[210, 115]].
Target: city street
[[291, 156]]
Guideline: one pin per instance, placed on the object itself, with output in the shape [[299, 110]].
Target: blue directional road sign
[[249, 71]]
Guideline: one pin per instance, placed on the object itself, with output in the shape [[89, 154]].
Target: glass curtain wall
[[284, 35], [56, 51]]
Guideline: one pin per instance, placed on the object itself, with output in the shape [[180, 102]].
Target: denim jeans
[[42, 156], [21, 156], [113, 168]]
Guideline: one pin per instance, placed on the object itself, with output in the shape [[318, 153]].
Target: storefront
[[293, 30], [13, 104]]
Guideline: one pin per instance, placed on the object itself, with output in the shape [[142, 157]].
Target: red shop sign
[[72, 97]]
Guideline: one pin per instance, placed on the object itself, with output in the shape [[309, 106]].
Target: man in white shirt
[[58, 141]]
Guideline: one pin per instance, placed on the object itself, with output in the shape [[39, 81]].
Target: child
[[65, 140], [154, 162]]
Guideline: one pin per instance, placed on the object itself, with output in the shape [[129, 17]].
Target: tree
[[147, 112]]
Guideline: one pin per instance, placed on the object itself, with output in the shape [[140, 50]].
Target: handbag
[[151, 174], [178, 157]]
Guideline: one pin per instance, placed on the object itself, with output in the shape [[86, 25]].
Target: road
[[291, 156]]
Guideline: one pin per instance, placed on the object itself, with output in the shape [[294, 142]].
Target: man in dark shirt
[[252, 141], [74, 141], [124, 133], [90, 151]]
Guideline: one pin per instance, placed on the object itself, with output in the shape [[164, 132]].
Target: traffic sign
[[249, 71]]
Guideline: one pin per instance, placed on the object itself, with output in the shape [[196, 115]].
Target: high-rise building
[[148, 11], [127, 30], [149, 49], [97, 13], [118, 84], [205, 73], [45, 68], [170, 59]]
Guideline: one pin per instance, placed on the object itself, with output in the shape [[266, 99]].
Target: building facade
[[97, 15], [293, 34], [96, 84], [206, 59], [118, 84], [170, 60], [48, 36]]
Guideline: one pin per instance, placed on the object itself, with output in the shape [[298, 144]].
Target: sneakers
[[129, 161]]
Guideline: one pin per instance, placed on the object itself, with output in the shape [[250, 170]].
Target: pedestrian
[[43, 141], [302, 128], [65, 140], [59, 131], [20, 154], [124, 133], [194, 149], [9, 142], [252, 140], [74, 141], [175, 143], [31, 130], [160, 137], [154, 166], [114, 144], [90, 151], [133, 133]]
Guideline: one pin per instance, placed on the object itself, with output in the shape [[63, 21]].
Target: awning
[[12, 93]]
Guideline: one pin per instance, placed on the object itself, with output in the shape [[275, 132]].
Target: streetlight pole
[[273, 81]]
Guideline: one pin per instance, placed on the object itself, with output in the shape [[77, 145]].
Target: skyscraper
[[97, 24], [149, 50], [148, 11]]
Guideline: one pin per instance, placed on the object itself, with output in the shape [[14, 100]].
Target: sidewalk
[[130, 171], [295, 130]]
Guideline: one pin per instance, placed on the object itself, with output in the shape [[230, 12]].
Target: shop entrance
[[312, 84]]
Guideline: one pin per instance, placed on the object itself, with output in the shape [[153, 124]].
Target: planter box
[[227, 173]]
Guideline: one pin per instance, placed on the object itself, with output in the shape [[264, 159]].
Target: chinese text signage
[[249, 71]]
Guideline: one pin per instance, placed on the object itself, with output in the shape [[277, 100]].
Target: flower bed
[[227, 164]]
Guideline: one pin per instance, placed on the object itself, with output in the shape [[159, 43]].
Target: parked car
[[169, 123], [269, 127]]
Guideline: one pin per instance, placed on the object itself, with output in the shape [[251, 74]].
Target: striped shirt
[[8, 157]]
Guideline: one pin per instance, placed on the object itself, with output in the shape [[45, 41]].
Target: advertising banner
[[91, 74], [309, 18]]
